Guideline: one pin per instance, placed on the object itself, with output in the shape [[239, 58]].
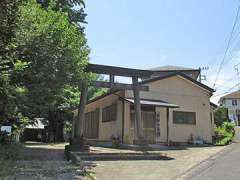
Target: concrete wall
[[189, 97]]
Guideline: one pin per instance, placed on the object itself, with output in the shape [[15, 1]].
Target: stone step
[[77, 157]]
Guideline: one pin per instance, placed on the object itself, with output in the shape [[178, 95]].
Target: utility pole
[[201, 76], [236, 67]]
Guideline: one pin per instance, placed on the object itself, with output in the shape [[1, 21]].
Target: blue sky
[[145, 34]]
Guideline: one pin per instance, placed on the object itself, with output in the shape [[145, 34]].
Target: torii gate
[[78, 126]]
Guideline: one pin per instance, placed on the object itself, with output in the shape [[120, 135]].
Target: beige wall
[[190, 98], [106, 129], [128, 137]]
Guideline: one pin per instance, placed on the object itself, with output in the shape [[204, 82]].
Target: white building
[[232, 102]]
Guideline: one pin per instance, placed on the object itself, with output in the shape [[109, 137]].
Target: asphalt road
[[223, 166]]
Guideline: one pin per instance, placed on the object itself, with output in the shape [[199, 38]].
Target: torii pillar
[[138, 123], [78, 142]]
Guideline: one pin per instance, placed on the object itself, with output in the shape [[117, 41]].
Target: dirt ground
[[37, 161]]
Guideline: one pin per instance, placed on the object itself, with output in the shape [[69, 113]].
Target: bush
[[224, 134], [229, 127]]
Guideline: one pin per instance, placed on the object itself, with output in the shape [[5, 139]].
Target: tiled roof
[[235, 94], [172, 68]]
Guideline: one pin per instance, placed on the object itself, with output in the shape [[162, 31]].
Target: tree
[[45, 53], [73, 8], [8, 67], [55, 50], [221, 116], [56, 54], [8, 15]]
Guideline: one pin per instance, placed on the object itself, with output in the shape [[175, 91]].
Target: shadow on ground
[[37, 151]]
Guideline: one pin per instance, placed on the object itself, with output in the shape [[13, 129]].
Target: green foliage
[[43, 52], [20, 124], [221, 116], [56, 54], [229, 127], [8, 16], [73, 8], [224, 134]]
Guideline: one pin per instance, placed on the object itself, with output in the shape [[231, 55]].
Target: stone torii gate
[[77, 142]]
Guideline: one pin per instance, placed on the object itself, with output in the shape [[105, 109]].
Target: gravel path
[[44, 162]]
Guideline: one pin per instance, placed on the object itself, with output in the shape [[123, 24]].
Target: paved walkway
[[223, 166], [184, 159]]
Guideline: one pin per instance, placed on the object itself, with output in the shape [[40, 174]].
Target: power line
[[238, 74], [228, 46], [228, 91]]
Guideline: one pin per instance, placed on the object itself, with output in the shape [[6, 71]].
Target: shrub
[[224, 134], [229, 127]]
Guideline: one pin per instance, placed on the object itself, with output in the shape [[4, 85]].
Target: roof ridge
[[173, 68]]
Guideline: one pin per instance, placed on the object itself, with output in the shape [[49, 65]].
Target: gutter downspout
[[168, 126], [123, 113]]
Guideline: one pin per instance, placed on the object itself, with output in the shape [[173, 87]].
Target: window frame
[[234, 102], [185, 122], [107, 112], [91, 125]]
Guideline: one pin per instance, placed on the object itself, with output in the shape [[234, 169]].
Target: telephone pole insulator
[[203, 77]]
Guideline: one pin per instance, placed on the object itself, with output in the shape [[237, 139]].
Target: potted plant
[[115, 141]]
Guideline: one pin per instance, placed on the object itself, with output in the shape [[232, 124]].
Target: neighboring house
[[175, 108], [34, 132], [232, 102]]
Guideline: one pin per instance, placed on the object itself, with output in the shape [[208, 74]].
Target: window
[[148, 119], [180, 117], [109, 113], [91, 124], [234, 102]]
